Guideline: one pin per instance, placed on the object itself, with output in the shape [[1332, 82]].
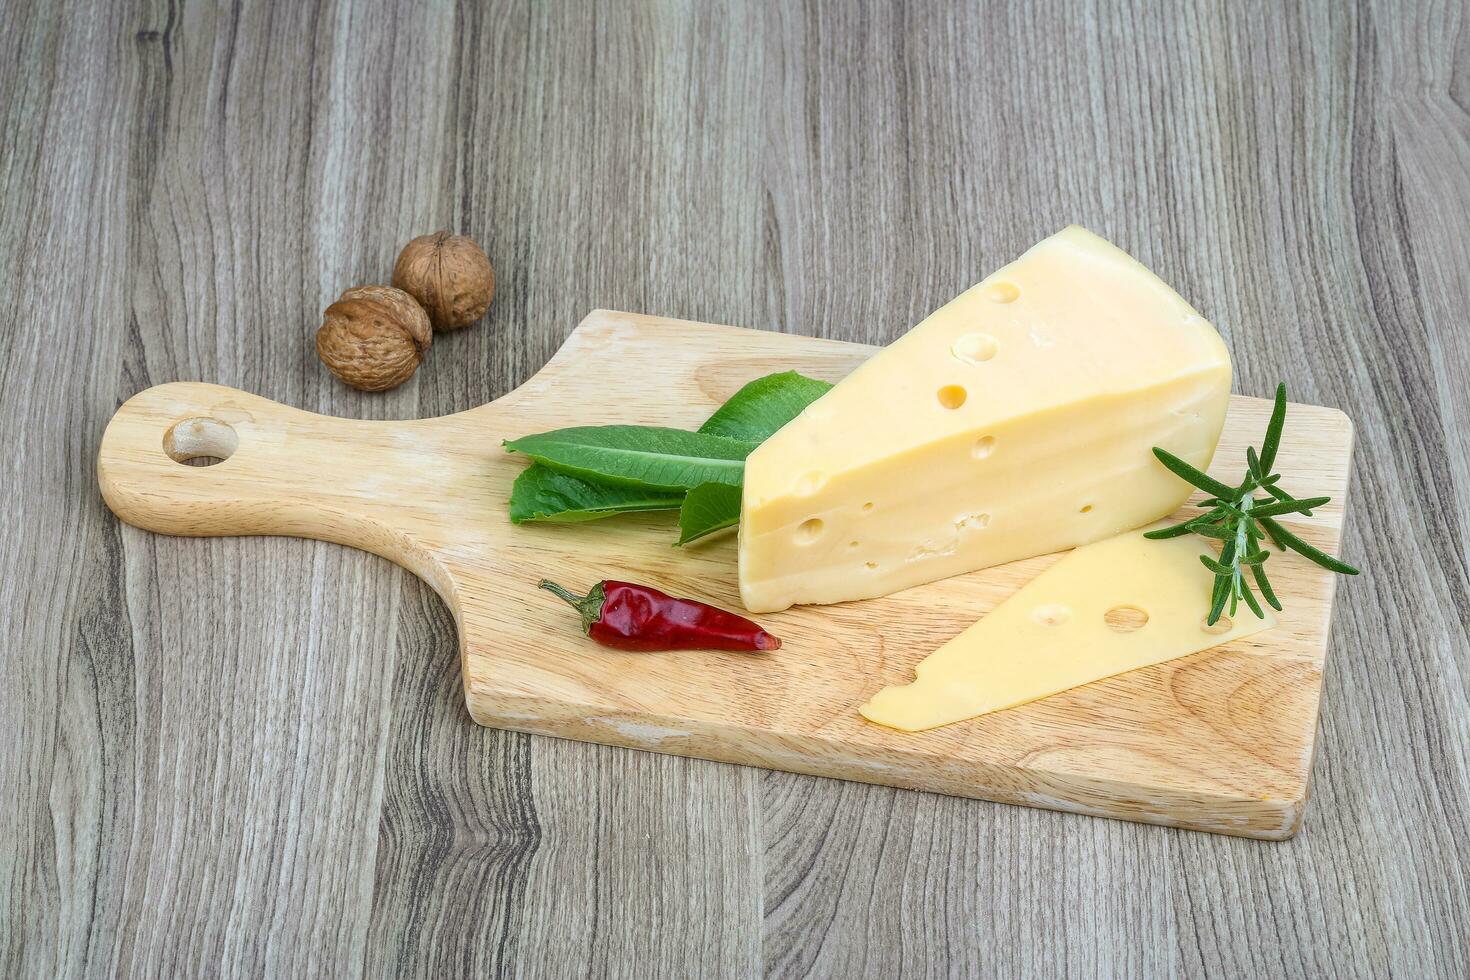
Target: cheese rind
[[1071, 625], [1017, 420]]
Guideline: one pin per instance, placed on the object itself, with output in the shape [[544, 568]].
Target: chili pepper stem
[[571, 597], [589, 606]]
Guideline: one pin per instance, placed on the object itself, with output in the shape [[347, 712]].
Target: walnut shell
[[374, 337], [449, 274]]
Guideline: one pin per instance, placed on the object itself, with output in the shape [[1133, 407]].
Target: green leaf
[[1218, 596], [647, 457], [708, 509], [1250, 599], [1227, 558], [1305, 550], [1285, 497], [1288, 507], [1253, 466], [564, 489], [542, 494], [1235, 512], [1193, 476], [1177, 531], [1214, 566], [1273, 429], [1185, 527], [1258, 474], [757, 411], [1212, 531], [1281, 545], [1265, 586]]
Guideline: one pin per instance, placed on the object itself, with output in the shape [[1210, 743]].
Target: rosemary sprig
[[1242, 522]]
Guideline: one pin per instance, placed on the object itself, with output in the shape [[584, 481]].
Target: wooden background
[[252, 756]]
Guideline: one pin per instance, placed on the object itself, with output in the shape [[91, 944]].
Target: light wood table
[[252, 757]]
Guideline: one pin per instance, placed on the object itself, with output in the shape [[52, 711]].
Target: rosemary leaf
[[1285, 497], [1307, 551], [1232, 510], [1214, 566], [1193, 476], [1272, 442], [1217, 599], [1250, 599], [1177, 531], [1265, 586], [1288, 507], [1280, 545]]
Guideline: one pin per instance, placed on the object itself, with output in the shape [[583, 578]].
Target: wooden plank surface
[[250, 756], [1220, 741]]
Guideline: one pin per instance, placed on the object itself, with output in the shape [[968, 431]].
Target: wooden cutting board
[[1219, 741]]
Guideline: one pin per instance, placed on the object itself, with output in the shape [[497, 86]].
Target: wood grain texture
[[1221, 741], [183, 188]]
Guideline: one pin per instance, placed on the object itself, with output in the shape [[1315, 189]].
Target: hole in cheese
[[1003, 292], [1125, 619], [868, 506], [984, 446], [809, 530], [1222, 625], [952, 396], [1086, 509], [974, 348], [870, 565], [1051, 614]]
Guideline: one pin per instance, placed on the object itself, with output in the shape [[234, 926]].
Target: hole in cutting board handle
[[200, 441]]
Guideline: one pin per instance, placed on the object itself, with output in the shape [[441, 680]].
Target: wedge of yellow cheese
[[1104, 609], [1016, 421]]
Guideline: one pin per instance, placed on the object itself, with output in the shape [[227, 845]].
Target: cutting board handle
[[280, 470]]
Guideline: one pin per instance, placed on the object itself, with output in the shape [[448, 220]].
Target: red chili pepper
[[635, 617]]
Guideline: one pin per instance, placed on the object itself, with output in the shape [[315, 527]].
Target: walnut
[[374, 337], [449, 275]]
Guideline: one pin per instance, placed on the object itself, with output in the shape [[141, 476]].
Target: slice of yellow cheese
[[1015, 421], [1104, 609]]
